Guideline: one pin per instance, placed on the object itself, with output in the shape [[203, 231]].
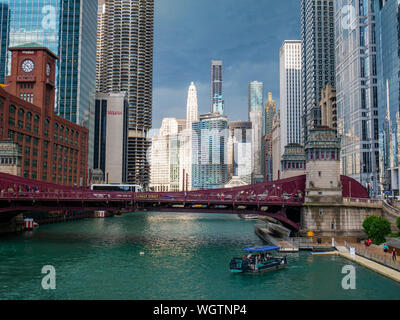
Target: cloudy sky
[[246, 35]]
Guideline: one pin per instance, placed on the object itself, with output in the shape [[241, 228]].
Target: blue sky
[[246, 35]]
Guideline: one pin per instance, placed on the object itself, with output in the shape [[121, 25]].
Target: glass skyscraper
[[209, 152], [68, 28], [356, 91], [318, 57], [256, 115], [4, 23], [387, 13]]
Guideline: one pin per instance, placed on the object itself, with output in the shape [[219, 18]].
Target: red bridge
[[280, 199]]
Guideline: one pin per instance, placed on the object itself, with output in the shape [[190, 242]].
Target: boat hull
[[261, 268]]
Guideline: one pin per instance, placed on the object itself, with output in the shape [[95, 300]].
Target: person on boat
[[385, 248], [244, 257], [394, 254]]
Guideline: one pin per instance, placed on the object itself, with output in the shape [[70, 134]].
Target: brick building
[[53, 149]]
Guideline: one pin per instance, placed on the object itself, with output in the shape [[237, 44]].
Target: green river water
[[186, 256]]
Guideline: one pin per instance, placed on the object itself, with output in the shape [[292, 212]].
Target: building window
[[12, 109]]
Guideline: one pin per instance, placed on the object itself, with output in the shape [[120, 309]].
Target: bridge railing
[[362, 200], [178, 197], [70, 195]]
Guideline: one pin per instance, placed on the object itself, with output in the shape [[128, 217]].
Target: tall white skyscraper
[[191, 106], [290, 93], [164, 164], [185, 139]]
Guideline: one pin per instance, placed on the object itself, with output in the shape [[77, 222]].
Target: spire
[[191, 106]]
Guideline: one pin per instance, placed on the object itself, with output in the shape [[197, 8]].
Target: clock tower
[[33, 75]]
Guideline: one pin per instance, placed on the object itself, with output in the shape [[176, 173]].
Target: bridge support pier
[[335, 219]]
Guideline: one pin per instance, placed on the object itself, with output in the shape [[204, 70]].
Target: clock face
[[48, 70], [28, 66]]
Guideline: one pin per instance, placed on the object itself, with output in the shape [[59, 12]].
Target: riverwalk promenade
[[367, 263]]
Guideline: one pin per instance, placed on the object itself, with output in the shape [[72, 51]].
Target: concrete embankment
[[264, 234], [379, 268]]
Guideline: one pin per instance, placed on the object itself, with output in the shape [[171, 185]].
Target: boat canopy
[[261, 249]]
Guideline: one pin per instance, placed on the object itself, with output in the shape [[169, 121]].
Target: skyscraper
[[240, 150], [100, 56], [185, 139], [4, 24], [318, 57], [191, 106], [256, 106], [290, 88], [388, 70], [110, 136], [356, 91], [216, 86], [127, 65], [164, 157], [270, 111], [209, 141], [57, 25]]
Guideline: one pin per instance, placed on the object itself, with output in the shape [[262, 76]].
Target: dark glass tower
[[4, 25], [216, 86], [318, 57]]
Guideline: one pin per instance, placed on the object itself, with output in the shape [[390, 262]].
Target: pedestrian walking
[[386, 248], [394, 255]]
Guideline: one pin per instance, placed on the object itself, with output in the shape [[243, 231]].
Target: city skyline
[[255, 56]]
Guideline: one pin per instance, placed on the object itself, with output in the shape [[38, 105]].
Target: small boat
[[248, 216], [257, 260]]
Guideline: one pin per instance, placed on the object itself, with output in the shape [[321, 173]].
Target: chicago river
[[167, 256]]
